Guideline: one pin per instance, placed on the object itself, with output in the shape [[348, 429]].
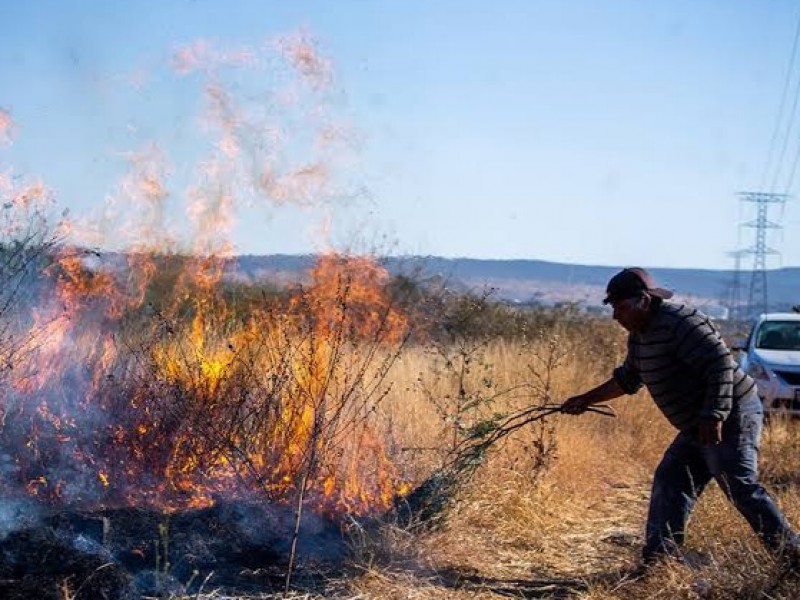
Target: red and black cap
[[632, 282]]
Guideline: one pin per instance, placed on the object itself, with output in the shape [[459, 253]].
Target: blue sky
[[614, 132]]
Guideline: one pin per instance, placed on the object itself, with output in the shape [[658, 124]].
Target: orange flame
[[350, 290], [146, 385]]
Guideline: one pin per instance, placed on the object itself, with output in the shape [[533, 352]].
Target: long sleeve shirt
[[685, 365]]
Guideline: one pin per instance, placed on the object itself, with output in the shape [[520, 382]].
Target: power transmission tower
[[757, 296], [734, 296]]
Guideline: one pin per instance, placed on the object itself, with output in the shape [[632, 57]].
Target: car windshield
[[779, 335]]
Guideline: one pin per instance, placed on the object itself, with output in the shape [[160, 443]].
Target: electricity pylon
[[757, 296], [734, 296]]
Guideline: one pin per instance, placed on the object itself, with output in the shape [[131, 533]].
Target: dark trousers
[[686, 469]]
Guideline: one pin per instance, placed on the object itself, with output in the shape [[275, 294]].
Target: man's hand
[[576, 405], [710, 431]]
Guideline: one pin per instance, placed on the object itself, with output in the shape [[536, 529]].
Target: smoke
[[304, 55], [204, 56], [267, 133], [17, 513]]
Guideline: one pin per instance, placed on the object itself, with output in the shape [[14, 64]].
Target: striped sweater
[[685, 365]]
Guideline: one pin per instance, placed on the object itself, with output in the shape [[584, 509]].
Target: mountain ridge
[[539, 281]]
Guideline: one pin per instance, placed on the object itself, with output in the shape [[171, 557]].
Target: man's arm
[[602, 393]]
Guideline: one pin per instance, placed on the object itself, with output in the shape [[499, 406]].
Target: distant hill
[[536, 281]]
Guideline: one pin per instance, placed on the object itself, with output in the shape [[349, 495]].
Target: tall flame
[[142, 380]]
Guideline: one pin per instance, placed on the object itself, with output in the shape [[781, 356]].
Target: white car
[[771, 356]]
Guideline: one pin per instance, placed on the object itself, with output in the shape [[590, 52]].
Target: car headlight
[[757, 370]]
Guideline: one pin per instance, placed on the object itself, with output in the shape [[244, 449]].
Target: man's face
[[631, 313]]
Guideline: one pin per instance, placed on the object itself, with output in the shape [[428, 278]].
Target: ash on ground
[[123, 554]]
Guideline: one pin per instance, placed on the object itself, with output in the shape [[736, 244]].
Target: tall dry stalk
[[28, 243], [477, 412]]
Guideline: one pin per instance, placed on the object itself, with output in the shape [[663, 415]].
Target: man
[[678, 355]]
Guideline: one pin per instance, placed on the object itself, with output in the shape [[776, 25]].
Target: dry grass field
[[559, 513]]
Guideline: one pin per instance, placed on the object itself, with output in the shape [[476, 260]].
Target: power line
[[793, 170], [786, 135], [779, 120], [757, 299]]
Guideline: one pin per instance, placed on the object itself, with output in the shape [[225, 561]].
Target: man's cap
[[632, 282]]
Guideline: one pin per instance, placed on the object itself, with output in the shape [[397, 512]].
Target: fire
[[79, 286], [35, 485], [210, 407], [347, 292], [140, 380]]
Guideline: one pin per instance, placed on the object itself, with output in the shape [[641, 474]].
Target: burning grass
[[184, 402]]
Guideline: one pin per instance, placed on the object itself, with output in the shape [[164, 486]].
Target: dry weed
[[577, 526]]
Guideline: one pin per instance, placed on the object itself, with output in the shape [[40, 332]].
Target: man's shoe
[[648, 563]]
